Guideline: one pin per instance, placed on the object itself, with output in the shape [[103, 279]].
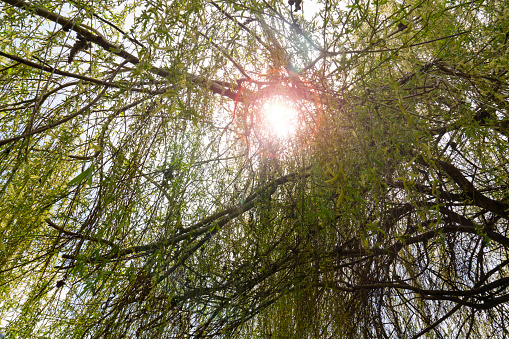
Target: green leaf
[[85, 175]]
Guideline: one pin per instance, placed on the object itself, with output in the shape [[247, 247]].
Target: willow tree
[[146, 192]]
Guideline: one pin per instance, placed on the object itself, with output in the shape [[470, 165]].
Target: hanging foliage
[[152, 188]]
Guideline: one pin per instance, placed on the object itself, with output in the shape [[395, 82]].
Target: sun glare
[[277, 114], [281, 119]]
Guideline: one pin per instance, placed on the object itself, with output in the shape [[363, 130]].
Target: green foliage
[[135, 203]]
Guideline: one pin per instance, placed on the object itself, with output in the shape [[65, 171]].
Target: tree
[[144, 194]]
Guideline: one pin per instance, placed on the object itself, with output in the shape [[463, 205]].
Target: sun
[[281, 119], [277, 114]]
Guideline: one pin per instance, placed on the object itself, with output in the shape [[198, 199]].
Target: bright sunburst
[[277, 114], [281, 119]]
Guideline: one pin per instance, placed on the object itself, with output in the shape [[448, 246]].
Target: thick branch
[[110, 47], [479, 199], [451, 295]]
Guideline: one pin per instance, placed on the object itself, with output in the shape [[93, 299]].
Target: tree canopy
[[145, 192]]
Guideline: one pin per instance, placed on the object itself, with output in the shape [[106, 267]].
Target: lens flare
[[277, 114], [281, 119]]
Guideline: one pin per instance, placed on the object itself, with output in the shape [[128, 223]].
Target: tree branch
[[110, 47], [80, 236]]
